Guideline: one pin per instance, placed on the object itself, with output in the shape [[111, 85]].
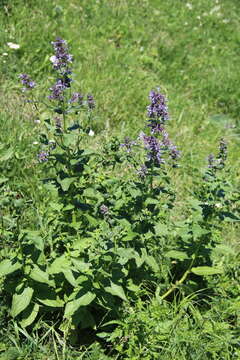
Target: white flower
[[13, 46], [189, 6], [4, 54], [53, 58], [37, 121], [35, 143], [91, 133]]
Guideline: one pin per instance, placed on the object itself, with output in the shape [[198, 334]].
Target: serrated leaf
[[39, 275], [116, 290], [74, 305], [34, 238], [161, 229], [52, 302], [65, 183], [6, 154], [56, 206], [206, 270], [152, 263], [59, 265], [21, 301], [151, 201], [175, 254], [7, 267], [69, 276], [29, 315]]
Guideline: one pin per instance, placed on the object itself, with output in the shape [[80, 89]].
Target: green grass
[[122, 50]]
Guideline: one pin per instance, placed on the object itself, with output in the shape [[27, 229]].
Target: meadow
[[119, 184]]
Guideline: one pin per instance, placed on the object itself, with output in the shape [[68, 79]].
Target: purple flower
[[128, 144], [222, 155], [173, 152], [76, 97], [153, 147], [142, 172], [43, 156], [57, 90], [104, 209], [28, 83], [90, 102], [157, 111], [62, 58], [58, 123]]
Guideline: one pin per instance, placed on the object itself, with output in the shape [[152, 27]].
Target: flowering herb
[[90, 102], [61, 59], [43, 156], [157, 111], [28, 83], [128, 144], [154, 149]]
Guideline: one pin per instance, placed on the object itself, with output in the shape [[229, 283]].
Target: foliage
[[99, 239]]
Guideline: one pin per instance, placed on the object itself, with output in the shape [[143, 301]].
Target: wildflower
[[27, 82], [90, 102], [153, 146], [128, 144], [76, 97], [91, 133], [222, 150], [57, 90], [43, 156], [58, 122], [104, 209], [13, 46], [62, 58], [142, 172], [211, 161], [157, 112]]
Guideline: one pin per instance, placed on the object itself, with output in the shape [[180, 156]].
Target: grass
[[122, 50]]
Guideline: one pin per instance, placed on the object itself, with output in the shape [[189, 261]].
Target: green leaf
[[7, 267], [152, 263], [59, 265], [21, 301], [74, 305], [65, 183], [34, 238], [69, 139], [206, 270], [175, 254], [3, 180], [116, 290], [69, 276], [161, 229], [56, 206], [52, 302], [29, 315], [151, 201], [39, 275], [6, 154]]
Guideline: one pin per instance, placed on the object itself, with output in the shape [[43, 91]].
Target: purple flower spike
[[128, 144], [104, 209], [90, 102], [57, 91], [76, 97], [28, 83], [157, 111], [43, 156], [62, 58], [142, 172], [153, 146]]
